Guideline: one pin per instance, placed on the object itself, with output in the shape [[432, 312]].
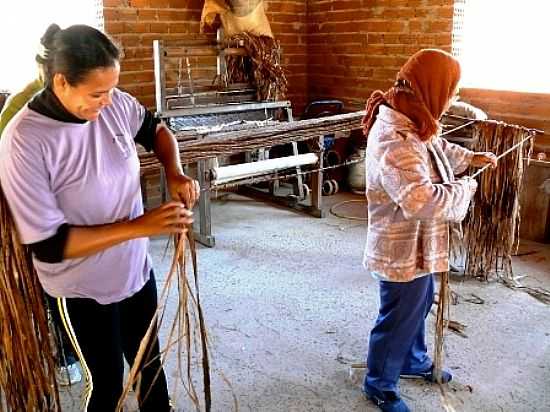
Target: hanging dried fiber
[[260, 66], [27, 367], [491, 228], [187, 334], [448, 400]]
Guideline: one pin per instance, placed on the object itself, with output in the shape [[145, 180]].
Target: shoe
[[386, 401], [430, 375], [68, 375]]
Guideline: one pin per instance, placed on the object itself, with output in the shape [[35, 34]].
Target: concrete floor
[[289, 308]]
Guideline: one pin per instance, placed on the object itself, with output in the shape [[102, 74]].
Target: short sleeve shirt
[[54, 172]]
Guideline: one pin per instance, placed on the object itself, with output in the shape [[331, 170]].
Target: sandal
[[386, 401]]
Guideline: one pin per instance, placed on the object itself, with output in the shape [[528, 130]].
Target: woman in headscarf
[[412, 196]]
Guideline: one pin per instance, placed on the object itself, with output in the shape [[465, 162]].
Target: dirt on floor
[[289, 309]]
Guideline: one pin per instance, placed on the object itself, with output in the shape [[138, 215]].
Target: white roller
[[227, 174]]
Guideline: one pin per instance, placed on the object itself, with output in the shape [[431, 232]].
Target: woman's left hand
[[482, 159], [184, 189]]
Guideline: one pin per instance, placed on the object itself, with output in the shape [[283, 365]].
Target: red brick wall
[[357, 46], [331, 48], [288, 19], [136, 23], [340, 49]]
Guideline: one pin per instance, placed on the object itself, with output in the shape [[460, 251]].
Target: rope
[[362, 219], [532, 130], [269, 178]]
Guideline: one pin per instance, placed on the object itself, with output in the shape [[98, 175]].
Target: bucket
[[356, 171]]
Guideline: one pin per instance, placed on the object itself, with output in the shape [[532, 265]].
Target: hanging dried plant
[[491, 228], [441, 325], [27, 366], [187, 334], [259, 66]]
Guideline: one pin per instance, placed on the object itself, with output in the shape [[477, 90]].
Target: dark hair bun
[[47, 39], [74, 52]]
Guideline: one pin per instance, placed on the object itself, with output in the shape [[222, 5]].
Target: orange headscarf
[[423, 89]]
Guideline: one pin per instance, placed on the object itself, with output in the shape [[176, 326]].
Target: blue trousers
[[397, 342]]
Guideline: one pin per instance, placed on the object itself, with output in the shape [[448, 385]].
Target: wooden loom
[[210, 120], [199, 147]]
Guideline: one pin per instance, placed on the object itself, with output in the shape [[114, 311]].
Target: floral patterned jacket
[[412, 196]]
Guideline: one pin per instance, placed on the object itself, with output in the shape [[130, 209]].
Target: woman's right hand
[[472, 184], [170, 217]]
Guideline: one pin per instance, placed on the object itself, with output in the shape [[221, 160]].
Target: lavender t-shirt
[[87, 174]]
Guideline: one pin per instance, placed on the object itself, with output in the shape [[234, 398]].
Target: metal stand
[[205, 219]]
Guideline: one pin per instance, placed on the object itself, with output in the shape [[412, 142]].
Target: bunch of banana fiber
[[260, 65], [491, 228], [27, 367], [187, 334]]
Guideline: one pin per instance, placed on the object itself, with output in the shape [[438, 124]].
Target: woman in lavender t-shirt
[[70, 171]]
